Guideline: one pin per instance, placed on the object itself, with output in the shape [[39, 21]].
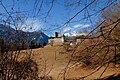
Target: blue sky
[[33, 20]]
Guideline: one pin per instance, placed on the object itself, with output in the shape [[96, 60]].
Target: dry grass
[[52, 63]]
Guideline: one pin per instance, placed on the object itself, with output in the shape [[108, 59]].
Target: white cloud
[[77, 25], [74, 30], [85, 26], [75, 33], [67, 29], [81, 25], [31, 25]]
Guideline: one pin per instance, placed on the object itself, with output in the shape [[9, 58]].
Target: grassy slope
[[56, 63]]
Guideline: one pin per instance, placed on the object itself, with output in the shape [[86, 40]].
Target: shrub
[[12, 67]]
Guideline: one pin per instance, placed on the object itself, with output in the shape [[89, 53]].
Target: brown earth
[[51, 62]]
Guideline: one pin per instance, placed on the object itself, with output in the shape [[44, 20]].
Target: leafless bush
[[14, 66], [46, 78], [66, 48], [101, 46], [101, 52]]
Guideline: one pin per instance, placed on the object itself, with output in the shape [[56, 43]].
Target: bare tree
[[101, 46], [104, 38]]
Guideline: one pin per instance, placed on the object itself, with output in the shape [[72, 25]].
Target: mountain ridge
[[12, 36]]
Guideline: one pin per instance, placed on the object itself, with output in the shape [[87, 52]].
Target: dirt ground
[[52, 63]]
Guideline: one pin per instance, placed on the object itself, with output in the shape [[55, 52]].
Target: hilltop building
[[59, 38]]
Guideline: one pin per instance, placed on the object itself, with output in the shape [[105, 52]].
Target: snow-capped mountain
[[12, 36], [74, 33]]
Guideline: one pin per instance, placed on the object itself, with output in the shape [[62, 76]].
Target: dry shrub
[[67, 48], [94, 53], [46, 78], [13, 68], [111, 77], [64, 48]]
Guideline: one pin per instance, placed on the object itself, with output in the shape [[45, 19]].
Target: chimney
[[56, 34]]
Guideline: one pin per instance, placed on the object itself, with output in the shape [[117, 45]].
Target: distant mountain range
[[19, 37]]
